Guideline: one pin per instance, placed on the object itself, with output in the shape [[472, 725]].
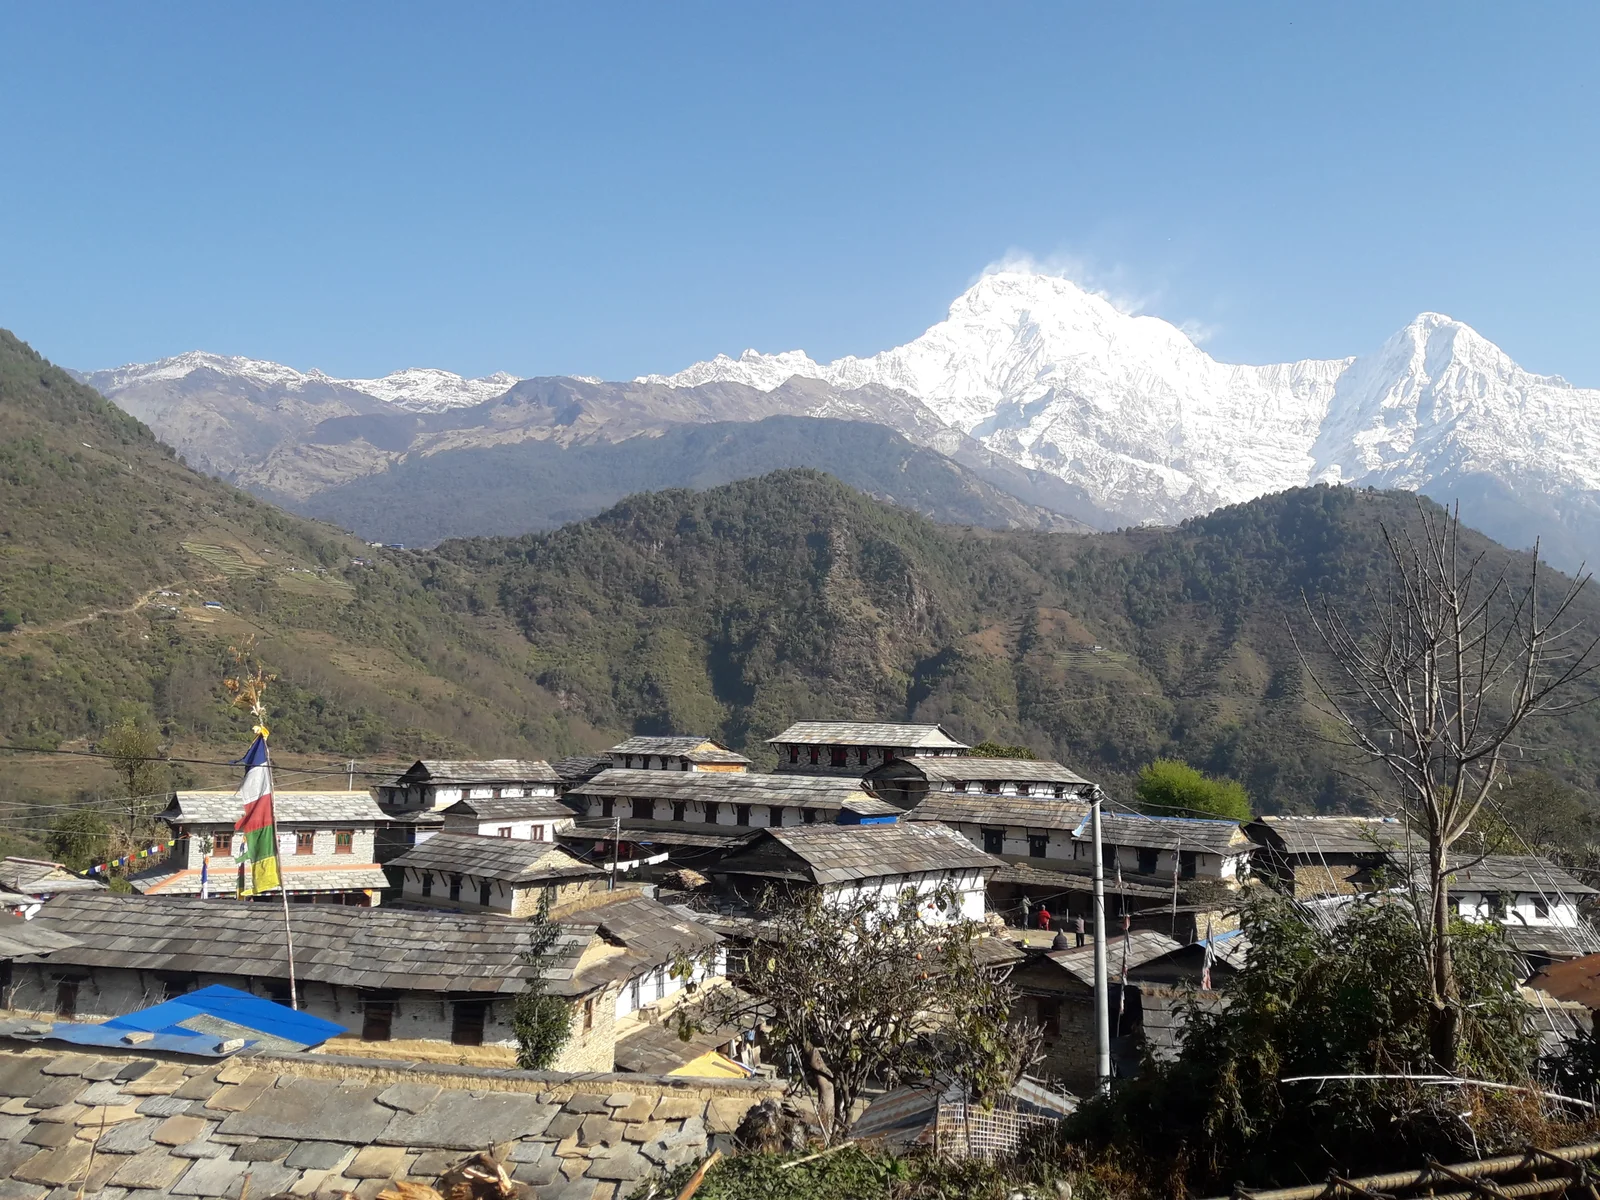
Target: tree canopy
[[1170, 788]]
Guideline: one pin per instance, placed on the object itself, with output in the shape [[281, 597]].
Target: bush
[[1169, 788]]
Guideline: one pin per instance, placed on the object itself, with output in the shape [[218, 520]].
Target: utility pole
[[350, 785], [1102, 990], [616, 836]]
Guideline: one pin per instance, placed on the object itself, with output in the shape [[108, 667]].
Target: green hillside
[[110, 548], [729, 612]]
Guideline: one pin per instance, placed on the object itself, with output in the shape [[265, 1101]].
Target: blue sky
[[610, 190]]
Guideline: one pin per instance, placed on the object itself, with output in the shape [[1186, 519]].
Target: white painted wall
[[968, 886], [1521, 909]]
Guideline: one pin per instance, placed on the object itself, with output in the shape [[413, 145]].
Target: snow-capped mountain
[[1057, 378], [417, 389]]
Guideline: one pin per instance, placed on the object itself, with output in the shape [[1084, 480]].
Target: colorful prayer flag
[[258, 825]]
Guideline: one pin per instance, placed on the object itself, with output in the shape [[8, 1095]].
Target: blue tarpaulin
[[200, 1012]]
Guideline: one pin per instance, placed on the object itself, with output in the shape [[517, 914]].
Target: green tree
[[80, 837], [541, 1022], [1348, 1001], [134, 748], [1170, 788], [988, 749]]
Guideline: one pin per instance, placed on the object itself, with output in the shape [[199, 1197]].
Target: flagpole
[[283, 890]]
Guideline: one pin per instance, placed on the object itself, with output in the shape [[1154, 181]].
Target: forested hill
[[729, 612], [737, 609]]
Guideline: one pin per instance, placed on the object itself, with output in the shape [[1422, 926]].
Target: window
[[627, 761], [1148, 859], [840, 757], [794, 754], [741, 814], [344, 841], [994, 841], [536, 833], [711, 812], [991, 787], [1108, 857], [485, 890], [683, 764], [504, 831], [377, 1020], [466, 1022], [808, 815], [305, 841], [1022, 789], [455, 887], [1497, 906], [1541, 907], [427, 883], [67, 998], [222, 844], [643, 810], [1188, 860], [814, 753], [633, 993], [1061, 790], [1037, 844], [1047, 1015], [679, 808], [588, 1014], [605, 807], [861, 756]]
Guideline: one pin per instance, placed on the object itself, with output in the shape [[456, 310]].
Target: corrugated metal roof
[[867, 733], [1168, 833], [840, 853], [730, 787], [508, 860], [289, 808], [972, 768], [1029, 812], [483, 770]]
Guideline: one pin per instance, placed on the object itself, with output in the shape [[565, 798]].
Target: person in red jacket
[[1044, 917]]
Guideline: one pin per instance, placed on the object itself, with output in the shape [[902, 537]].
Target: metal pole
[[1102, 990], [283, 890], [350, 784], [616, 836]]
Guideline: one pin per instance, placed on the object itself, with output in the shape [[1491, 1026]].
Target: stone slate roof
[[448, 772], [825, 854], [117, 1122], [576, 768], [666, 833], [652, 935], [507, 860], [1169, 833], [289, 808], [41, 877], [695, 749], [731, 787], [1078, 876], [971, 767], [19, 937], [511, 808], [1516, 873], [1314, 836], [1143, 945], [1164, 1011], [1030, 812], [354, 947], [867, 733], [323, 877]]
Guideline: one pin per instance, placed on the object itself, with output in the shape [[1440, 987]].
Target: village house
[[27, 883], [855, 747], [578, 768], [736, 801], [1307, 856], [404, 983], [1171, 847], [845, 861], [1533, 899], [1016, 827], [677, 752], [907, 782], [526, 819], [475, 873], [437, 784], [326, 845]]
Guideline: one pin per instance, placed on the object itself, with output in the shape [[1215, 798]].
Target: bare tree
[[857, 990], [1434, 683]]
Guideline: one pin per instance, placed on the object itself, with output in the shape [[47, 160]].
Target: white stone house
[[725, 800], [906, 782], [525, 819], [513, 877], [675, 752], [855, 747], [1168, 847], [1013, 827], [438, 783], [1519, 891], [326, 847], [846, 861]]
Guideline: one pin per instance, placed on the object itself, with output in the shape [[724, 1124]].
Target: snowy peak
[[418, 389]]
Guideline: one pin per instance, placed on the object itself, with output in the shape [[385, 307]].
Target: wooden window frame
[[344, 841], [305, 841]]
